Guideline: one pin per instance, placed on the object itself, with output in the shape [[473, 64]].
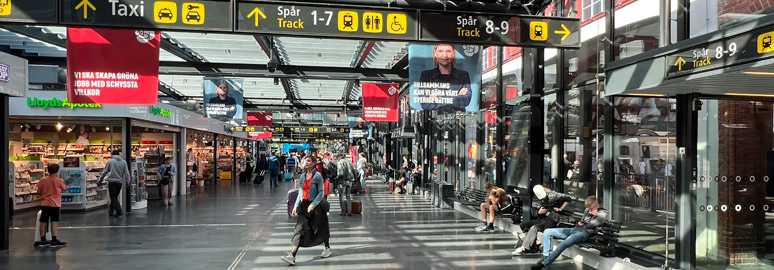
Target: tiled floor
[[248, 228]]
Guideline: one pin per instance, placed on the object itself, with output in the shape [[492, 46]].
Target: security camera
[[271, 66]]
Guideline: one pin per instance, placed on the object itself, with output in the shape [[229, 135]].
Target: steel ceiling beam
[[363, 51], [271, 51], [259, 70]]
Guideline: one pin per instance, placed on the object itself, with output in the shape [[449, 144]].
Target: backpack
[[273, 163], [331, 170], [291, 161]]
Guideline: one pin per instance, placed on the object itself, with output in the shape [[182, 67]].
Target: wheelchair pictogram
[[397, 23]]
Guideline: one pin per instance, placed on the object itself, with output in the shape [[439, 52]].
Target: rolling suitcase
[[357, 207], [356, 187], [292, 196], [392, 186], [288, 176]]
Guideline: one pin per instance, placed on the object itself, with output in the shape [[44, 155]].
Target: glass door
[[735, 222]]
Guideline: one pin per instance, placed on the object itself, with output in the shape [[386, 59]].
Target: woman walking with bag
[[312, 226], [167, 173]]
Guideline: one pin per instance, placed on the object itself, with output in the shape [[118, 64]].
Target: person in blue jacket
[[312, 226], [274, 165]]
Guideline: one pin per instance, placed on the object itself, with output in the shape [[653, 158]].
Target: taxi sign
[[209, 15], [28, 11], [323, 20]]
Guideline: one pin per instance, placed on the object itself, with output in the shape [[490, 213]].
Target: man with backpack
[[344, 179], [291, 163], [274, 164], [331, 171]]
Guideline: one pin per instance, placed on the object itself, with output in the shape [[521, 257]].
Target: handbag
[[326, 206], [165, 180]]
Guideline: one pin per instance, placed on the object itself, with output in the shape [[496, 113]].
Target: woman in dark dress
[[312, 226]]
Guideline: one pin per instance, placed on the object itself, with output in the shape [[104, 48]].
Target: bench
[[604, 240], [473, 198]]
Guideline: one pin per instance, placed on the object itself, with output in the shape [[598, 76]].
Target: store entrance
[[734, 221]]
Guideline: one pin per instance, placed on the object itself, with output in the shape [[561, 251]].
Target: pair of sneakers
[[291, 260], [52, 243], [485, 228]]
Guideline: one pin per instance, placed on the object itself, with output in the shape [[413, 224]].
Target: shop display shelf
[[72, 203]]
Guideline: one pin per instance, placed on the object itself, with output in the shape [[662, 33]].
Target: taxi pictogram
[[538, 31], [396, 23], [348, 21], [165, 12], [765, 44], [193, 13], [5, 7]]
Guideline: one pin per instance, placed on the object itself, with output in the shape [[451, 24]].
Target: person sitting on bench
[[593, 218], [546, 208], [495, 203]]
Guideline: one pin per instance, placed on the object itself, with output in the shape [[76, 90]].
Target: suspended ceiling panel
[[310, 90], [317, 51], [384, 54], [254, 88], [30, 45], [62, 33], [222, 48]]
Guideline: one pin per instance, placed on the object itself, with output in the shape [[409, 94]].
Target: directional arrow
[[256, 12], [566, 32], [679, 63], [86, 5]]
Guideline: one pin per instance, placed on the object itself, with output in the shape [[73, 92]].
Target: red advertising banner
[[107, 66], [380, 102], [259, 119], [260, 135]]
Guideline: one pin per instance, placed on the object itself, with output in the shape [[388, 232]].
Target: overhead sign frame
[[750, 46], [341, 21]]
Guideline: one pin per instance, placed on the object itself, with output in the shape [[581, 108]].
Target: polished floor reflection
[[247, 227]]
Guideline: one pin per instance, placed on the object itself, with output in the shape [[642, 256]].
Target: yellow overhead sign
[[765, 42], [165, 12]]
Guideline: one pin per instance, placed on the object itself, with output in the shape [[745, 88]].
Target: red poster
[[380, 102], [259, 119], [112, 66], [260, 135]]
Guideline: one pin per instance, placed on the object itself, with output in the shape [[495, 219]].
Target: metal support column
[[215, 146], [609, 171], [610, 167], [234, 171], [182, 161], [5, 203], [558, 132], [586, 113], [534, 82], [126, 147], [685, 207], [500, 120]]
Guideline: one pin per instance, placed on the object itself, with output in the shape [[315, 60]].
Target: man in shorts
[[50, 188]]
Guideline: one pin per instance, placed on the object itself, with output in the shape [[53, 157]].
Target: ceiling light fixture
[[59, 126], [758, 73], [107, 128]]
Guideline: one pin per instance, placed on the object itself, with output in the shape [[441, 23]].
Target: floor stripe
[[137, 226], [249, 244]]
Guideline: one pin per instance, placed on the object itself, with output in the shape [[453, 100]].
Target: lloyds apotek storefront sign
[[56, 103]]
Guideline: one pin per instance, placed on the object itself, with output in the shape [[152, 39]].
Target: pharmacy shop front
[[46, 128]]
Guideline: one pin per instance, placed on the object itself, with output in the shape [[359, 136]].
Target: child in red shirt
[[50, 188]]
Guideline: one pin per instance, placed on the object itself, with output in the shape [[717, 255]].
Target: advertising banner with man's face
[[380, 102], [359, 128], [223, 98], [106, 66], [444, 77]]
